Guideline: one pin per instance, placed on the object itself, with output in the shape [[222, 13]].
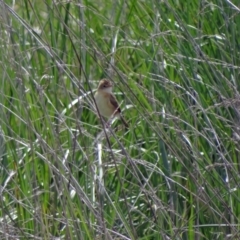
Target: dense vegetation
[[174, 174]]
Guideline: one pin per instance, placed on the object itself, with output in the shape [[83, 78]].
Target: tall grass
[[174, 174]]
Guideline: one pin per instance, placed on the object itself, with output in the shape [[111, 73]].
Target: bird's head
[[105, 85]]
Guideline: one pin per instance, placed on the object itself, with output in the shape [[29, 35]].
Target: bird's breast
[[103, 104]]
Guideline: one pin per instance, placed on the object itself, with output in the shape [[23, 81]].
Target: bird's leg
[[109, 122]]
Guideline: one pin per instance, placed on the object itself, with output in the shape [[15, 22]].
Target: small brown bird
[[106, 102]]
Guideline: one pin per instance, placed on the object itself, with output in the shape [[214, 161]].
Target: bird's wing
[[114, 102]]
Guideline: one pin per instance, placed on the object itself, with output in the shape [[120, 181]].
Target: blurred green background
[[174, 174]]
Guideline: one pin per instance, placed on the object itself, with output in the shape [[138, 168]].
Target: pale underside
[[107, 104]]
